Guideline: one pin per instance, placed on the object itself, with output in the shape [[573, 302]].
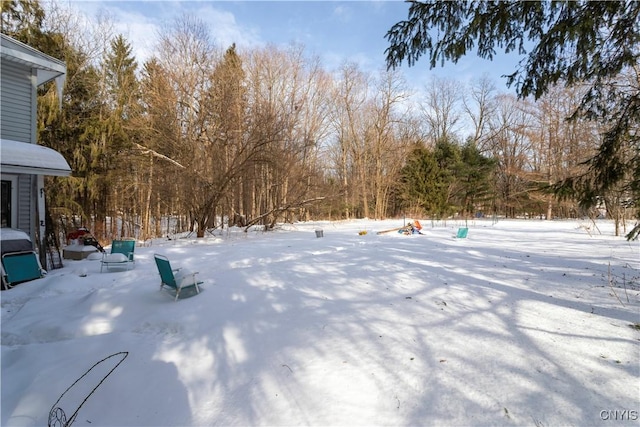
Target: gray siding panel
[[25, 203], [16, 103]]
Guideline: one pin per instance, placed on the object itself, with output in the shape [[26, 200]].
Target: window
[[8, 214], [5, 221]]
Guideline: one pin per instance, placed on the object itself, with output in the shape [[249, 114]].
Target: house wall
[[16, 102], [17, 109]]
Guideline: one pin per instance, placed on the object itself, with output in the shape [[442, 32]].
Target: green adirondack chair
[[121, 255], [462, 233], [178, 281], [20, 267]]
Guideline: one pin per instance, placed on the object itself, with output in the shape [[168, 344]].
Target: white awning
[[26, 158]]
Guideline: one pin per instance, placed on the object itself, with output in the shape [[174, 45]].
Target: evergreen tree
[[423, 183], [68, 131], [125, 186], [447, 154], [122, 84], [22, 20], [474, 179], [447, 179], [158, 132]]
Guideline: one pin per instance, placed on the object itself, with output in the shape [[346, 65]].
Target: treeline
[[202, 136]]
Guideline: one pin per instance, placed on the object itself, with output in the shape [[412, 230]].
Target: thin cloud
[[226, 30], [343, 13]]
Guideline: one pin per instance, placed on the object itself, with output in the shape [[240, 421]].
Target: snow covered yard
[[522, 323]]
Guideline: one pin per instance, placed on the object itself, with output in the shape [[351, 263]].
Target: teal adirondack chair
[[462, 233], [178, 281], [121, 254], [20, 267]]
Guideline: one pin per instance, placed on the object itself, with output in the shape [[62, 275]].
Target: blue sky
[[337, 31]]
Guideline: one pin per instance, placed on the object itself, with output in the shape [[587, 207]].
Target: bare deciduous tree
[[480, 106], [388, 148], [350, 97], [510, 147], [441, 108]]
